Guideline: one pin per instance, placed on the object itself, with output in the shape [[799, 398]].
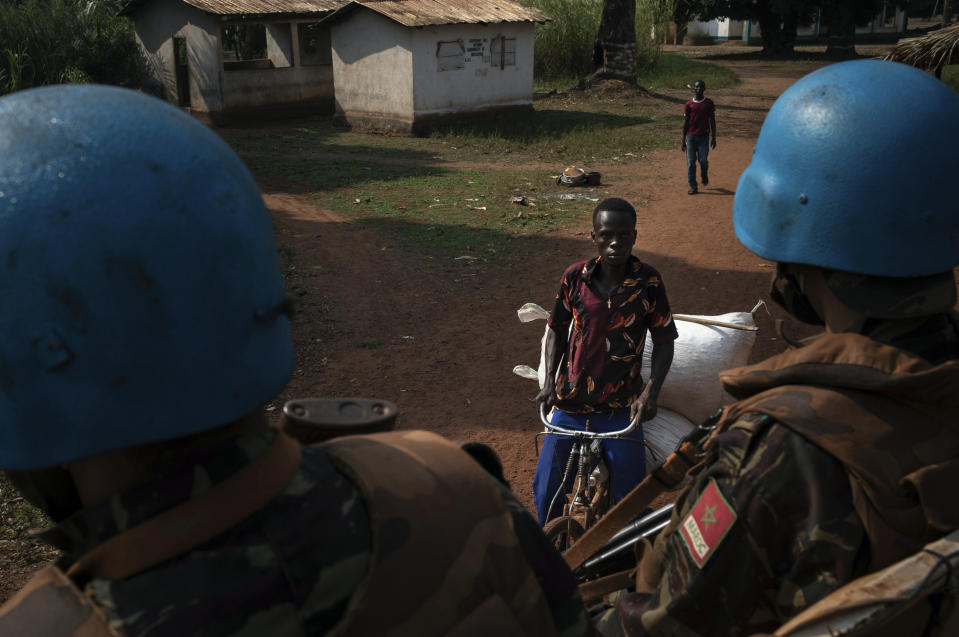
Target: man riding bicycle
[[611, 302]]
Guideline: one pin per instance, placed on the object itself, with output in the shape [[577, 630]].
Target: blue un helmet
[[143, 295], [853, 171]]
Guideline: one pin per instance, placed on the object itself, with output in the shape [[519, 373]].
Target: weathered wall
[[288, 85], [157, 23], [372, 70], [479, 84]]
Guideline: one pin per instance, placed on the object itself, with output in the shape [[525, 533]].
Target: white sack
[[663, 434], [701, 352]]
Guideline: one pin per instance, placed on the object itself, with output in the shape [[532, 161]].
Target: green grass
[[463, 213], [675, 72], [447, 195], [950, 75]]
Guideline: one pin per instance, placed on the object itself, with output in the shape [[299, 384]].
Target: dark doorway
[[182, 71]]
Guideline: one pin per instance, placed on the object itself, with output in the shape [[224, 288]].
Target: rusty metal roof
[[252, 7], [421, 13]]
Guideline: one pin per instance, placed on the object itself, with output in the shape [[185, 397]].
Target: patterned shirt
[[604, 353]]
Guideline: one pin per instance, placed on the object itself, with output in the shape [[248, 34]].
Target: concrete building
[[397, 64], [891, 19], [221, 58]]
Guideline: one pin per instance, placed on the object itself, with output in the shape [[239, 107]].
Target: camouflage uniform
[[833, 464], [290, 569]]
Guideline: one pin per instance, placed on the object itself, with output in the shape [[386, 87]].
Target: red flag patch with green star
[[707, 523]]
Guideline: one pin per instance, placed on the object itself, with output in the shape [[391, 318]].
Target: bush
[[564, 47], [56, 41], [698, 38], [652, 23]]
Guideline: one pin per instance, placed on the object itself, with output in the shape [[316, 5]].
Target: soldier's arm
[[767, 528]]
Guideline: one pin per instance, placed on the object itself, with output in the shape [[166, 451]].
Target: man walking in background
[[699, 120]]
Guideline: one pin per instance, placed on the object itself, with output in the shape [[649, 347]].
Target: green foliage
[[698, 38], [950, 75], [564, 47], [54, 41], [652, 23], [676, 71]]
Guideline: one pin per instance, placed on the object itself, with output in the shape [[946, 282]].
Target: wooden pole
[[706, 321]]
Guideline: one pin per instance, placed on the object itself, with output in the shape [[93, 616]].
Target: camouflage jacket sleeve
[[783, 535], [554, 577]]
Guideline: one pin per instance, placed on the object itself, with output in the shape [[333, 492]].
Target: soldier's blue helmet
[[142, 291], [854, 170]]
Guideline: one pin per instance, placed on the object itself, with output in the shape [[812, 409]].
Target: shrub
[[55, 41], [564, 47], [698, 38]]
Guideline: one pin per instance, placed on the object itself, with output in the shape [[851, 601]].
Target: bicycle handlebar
[[556, 429]]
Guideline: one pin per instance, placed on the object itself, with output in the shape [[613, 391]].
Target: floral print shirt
[[602, 368]]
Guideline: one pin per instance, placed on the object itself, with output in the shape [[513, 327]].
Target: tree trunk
[[946, 13], [840, 18], [616, 40], [776, 40]]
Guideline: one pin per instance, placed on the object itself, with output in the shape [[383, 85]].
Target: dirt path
[[440, 339]]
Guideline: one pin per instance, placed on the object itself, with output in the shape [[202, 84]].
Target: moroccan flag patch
[[707, 524]]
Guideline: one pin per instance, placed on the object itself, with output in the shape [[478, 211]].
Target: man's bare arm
[[660, 361], [555, 346]]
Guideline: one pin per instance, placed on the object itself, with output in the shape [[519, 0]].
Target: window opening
[[450, 56], [503, 51]]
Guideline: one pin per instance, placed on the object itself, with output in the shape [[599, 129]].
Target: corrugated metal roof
[[421, 13], [252, 7]]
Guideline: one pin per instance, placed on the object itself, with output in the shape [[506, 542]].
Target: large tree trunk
[[946, 13], [840, 19], [616, 40], [776, 39]]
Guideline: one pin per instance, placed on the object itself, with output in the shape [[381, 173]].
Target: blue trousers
[[697, 147], [625, 459]]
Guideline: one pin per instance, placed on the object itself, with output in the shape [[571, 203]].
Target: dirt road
[[443, 339]]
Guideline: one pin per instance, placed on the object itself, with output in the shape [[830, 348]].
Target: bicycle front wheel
[[563, 532]]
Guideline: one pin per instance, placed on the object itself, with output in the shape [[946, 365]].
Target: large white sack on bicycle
[[662, 435], [692, 387]]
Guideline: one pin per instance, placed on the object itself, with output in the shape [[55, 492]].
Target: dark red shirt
[[699, 114], [602, 368]]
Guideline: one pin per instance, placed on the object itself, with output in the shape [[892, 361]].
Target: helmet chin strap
[[802, 291]]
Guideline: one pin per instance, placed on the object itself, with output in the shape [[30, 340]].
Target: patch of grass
[[698, 38], [564, 128], [20, 552], [676, 71], [950, 75], [467, 213]]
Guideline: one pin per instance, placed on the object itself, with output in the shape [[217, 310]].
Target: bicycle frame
[[583, 448]]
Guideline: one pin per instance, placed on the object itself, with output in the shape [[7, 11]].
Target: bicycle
[[591, 496]]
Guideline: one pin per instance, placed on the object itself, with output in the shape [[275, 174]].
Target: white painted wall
[[157, 23], [479, 84], [279, 44], [372, 66]]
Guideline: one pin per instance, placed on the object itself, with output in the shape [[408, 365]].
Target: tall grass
[[56, 41], [564, 47], [652, 22]]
